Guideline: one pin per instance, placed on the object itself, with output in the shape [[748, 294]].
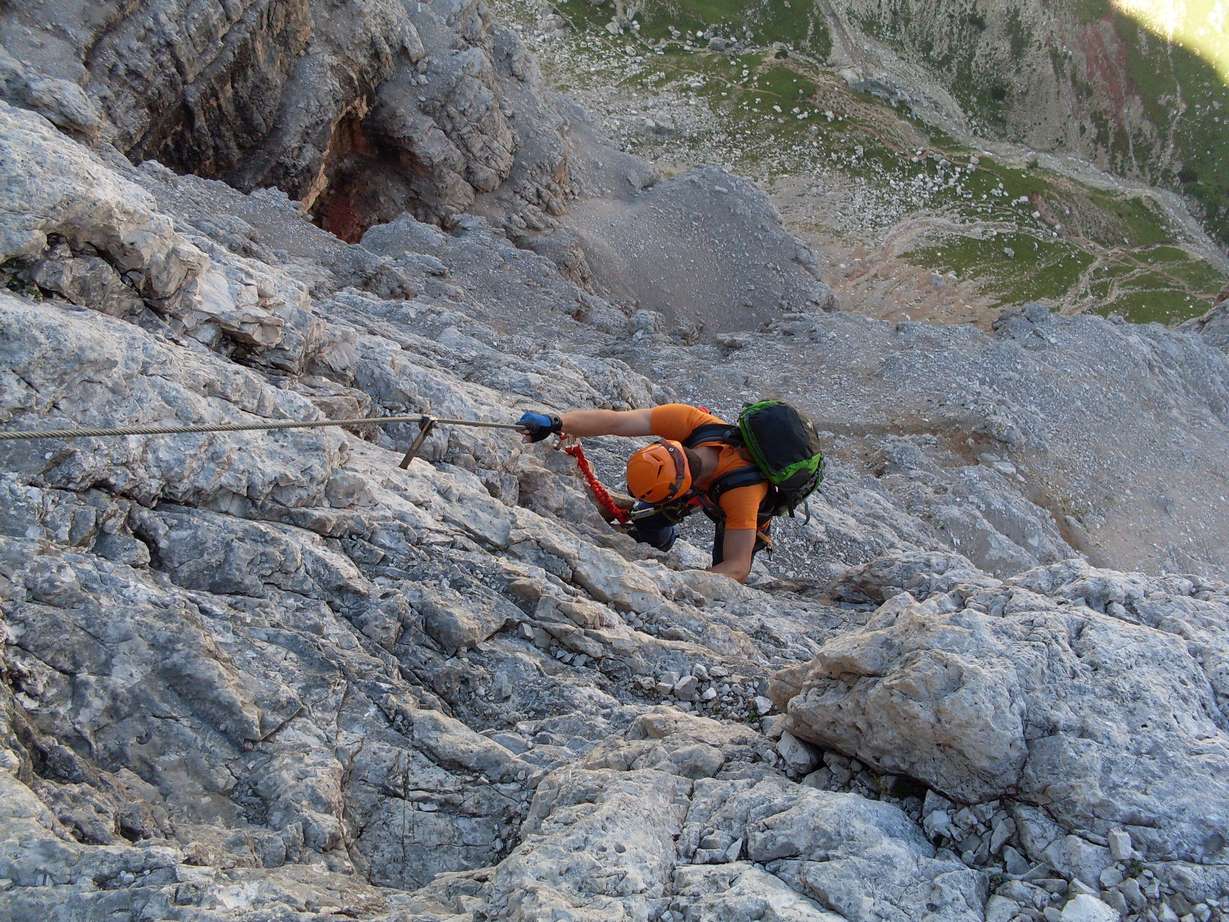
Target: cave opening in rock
[[359, 181], [363, 181]]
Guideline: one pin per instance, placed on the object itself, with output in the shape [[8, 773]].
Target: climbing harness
[[600, 493], [425, 425]]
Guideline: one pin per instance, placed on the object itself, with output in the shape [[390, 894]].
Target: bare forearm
[[737, 552], [581, 423], [735, 570]]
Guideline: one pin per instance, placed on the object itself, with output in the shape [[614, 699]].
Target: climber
[[739, 475]]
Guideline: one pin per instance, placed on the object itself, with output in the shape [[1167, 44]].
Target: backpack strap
[[743, 477], [713, 432], [710, 500]]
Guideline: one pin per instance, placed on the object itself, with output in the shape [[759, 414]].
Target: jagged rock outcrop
[[348, 110], [382, 108], [950, 696], [1091, 700], [251, 676]]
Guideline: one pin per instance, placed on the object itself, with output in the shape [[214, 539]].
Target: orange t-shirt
[[677, 421]]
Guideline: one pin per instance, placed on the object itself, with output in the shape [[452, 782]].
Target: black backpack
[[784, 446]]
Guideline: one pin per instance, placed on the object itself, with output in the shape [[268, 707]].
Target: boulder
[[1002, 692]]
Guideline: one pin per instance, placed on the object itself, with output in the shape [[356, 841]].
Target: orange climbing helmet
[[658, 473]]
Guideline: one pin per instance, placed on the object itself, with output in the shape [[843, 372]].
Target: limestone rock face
[[240, 663], [364, 111], [339, 107], [272, 675], [60, 100], [840, 850], [1097, 696]]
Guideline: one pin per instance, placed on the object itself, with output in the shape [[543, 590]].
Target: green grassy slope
[[796, 23], [1021, 232]]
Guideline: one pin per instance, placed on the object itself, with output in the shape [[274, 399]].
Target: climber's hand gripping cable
[[537, 426]]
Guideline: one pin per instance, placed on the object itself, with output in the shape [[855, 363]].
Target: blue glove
[[538, 426]]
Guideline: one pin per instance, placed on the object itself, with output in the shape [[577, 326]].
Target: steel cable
[[104, 432]]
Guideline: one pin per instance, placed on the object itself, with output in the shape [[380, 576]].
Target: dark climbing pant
[[761, 541], [657, 530], [661, 531]]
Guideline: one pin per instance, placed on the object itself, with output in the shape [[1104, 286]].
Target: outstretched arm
[[537, 426], [581, 423]]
